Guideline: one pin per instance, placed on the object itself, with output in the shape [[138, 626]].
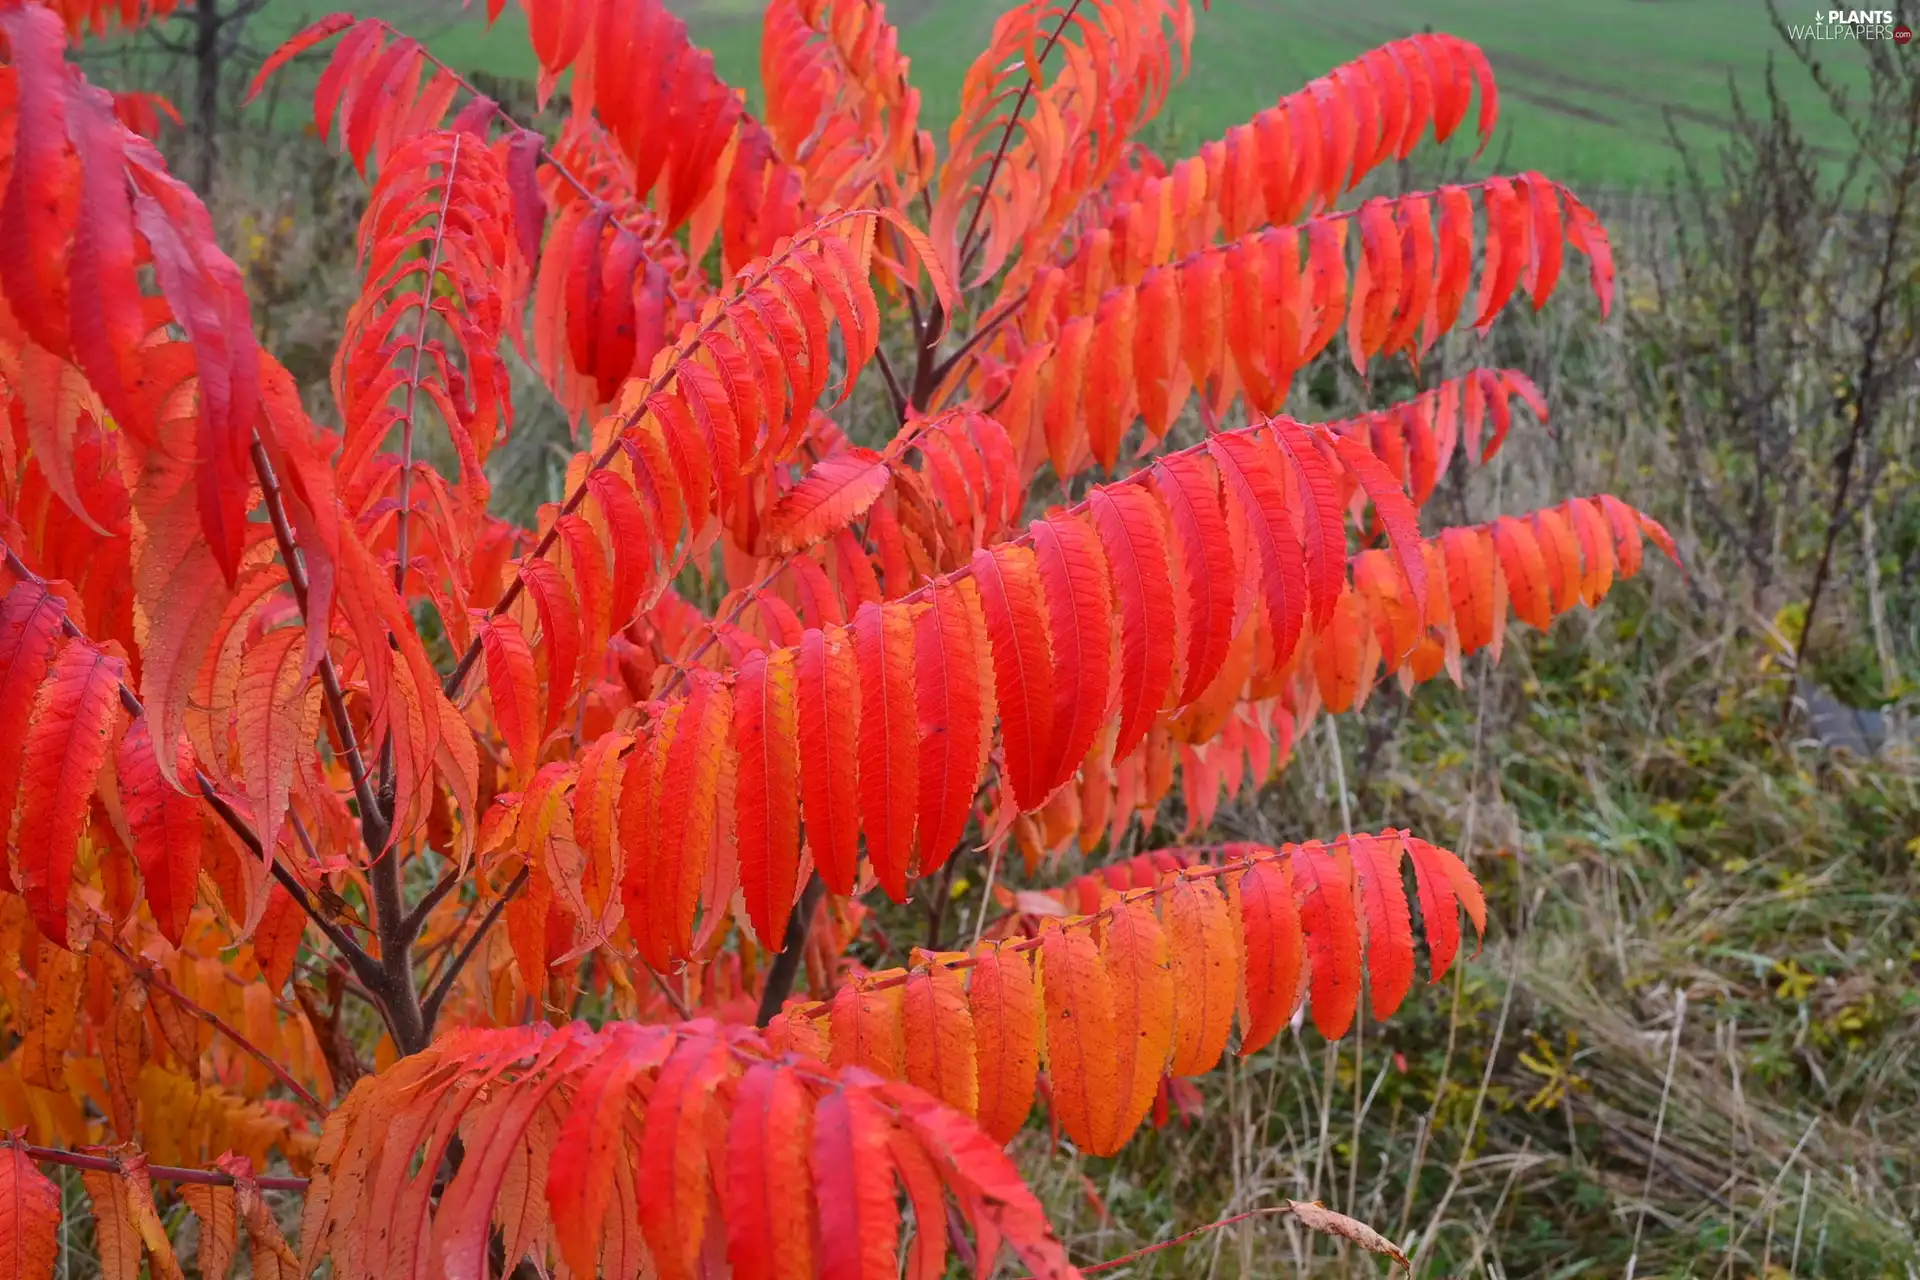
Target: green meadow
[[1590, 88]]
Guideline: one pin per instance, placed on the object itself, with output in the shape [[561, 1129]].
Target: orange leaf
[[868, 1027], [1135, 947], [1206, 974], [1083, 1076], [938, 1029], [836, 492], [1006, 1028]]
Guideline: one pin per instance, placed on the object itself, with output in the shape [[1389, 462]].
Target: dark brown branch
[[363, 965], [373, 824], [894, 388], [1865, 403], [980, 334], [1006, 135], [786, 966], [431, 1009]]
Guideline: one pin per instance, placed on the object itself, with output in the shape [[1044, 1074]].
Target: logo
[[1852, 24]]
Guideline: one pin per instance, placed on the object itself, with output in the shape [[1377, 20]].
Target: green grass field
[[1588, 86]]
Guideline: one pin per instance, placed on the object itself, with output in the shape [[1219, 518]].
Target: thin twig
[[1013, 121], [373, 825], [1310, 1213], [1473, 1119], [417, 918], [431, 1009], [156, 978], [164, 1172], [986, 897], [981, 333], [1772, 1190], [894, 388]]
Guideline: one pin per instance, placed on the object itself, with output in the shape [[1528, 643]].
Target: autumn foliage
[[331, 797]]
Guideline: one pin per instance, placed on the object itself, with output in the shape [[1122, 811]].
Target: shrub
[[282, 700]]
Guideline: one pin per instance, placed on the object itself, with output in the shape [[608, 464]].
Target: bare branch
[[431, 1009], [154, 977]]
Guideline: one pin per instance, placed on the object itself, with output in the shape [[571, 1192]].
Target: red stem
[[164, 1172], [413, 379], [158, 979]]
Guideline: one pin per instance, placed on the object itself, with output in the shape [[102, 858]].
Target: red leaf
[[1132, 526], [29, 1218], [859, 1223], [829, 753], [1010, 596], [836, 492], [1270, 925], [1322, 888], [768, 1192], [675, 1180], [1251, 466], [1395, 512], [1073, 575], [1376, 865], [29, 628], [889, 766], [75, 717], [276, 939], [515, 690], [767, 790], [559, 636], [1193, 496], [167, 828], [304, 40], [955, 728]]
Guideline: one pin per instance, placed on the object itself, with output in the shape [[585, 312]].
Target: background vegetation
[[1691, 1047]]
